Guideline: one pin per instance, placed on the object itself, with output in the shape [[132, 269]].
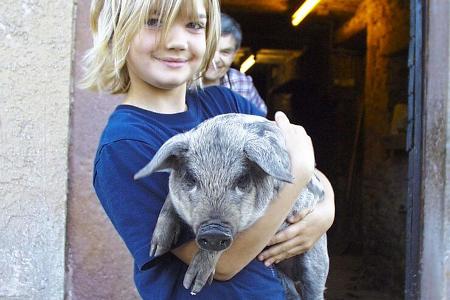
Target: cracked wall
[[35, 64]]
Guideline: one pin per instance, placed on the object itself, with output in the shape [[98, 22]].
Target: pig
[[223, 175]]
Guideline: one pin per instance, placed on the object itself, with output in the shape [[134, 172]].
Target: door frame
[[428, 203]]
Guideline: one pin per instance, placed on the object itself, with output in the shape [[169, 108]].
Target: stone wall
[[385, 161], [35, 79]]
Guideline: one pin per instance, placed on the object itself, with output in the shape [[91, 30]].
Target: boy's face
[[223, 58], [173, 61]]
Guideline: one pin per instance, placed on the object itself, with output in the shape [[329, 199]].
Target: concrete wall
[[435, 263], [35, 78], [446, 199]]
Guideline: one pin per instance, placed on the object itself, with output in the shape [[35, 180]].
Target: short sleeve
[[132, 205]]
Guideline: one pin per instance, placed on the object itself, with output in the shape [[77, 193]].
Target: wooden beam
[[355, 25]]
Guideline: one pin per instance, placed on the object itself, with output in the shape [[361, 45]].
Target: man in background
[[220, 72]]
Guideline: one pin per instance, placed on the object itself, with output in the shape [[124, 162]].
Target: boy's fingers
[[292, 230], [280, 115], [299, 216], [285, 255], [273, 251], [288, 248], [283, 236], [282, 120]]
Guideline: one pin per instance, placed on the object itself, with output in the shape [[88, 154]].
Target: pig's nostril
[[225, 243], [203, 242]]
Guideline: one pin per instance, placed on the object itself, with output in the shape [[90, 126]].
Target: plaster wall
[[35, 78]]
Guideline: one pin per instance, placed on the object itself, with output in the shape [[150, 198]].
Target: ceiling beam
[[355, 25]]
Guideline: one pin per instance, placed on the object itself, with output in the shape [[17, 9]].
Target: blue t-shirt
[[131, 138]]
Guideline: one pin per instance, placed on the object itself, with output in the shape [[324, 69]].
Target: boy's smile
[[173, 62]]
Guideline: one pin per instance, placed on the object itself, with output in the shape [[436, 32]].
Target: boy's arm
[[252, 241], [305, 229]]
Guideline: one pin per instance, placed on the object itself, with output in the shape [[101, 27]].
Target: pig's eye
[[190, 180], [243, 182]]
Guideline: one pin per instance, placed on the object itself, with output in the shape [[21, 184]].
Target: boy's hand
[[305, 229], [300, 149], [290, 242]]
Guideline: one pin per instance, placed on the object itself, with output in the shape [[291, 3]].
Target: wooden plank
[[414, 222]]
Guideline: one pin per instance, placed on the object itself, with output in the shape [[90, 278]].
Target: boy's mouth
[[173, 61]]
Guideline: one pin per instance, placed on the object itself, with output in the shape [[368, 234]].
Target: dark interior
[[342, 74]]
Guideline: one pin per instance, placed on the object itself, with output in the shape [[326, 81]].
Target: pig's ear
[[268, 155], [166, 157]]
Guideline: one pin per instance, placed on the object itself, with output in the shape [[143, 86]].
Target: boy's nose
[[177, 38]]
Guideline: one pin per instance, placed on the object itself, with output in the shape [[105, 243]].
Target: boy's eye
[[153, 22], [196, 25]]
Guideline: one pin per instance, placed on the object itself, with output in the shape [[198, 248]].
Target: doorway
[[379, 163], [345, 79]]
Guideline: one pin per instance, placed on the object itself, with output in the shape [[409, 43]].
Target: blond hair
[[114, 23]]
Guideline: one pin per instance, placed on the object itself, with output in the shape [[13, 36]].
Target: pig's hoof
[[197, 280], [156, 250], [187, 282]]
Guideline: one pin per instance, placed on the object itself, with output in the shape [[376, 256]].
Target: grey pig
[[223, 175]]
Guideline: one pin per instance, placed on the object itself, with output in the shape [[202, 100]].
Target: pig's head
[[223, 175]]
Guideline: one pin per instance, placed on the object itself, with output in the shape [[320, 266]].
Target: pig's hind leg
[[201, 270], [311, 270], [166, 230]]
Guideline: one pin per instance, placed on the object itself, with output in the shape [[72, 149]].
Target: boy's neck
[[210, 82], [158, 100]]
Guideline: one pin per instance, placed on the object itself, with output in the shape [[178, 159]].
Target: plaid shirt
[[243, 85]]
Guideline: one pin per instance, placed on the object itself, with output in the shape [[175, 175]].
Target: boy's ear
[[166, 157]]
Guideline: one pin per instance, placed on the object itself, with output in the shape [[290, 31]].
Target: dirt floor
[[345, 281]]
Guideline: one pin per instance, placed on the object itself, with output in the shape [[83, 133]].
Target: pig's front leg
[[201, 270], [166, 230]]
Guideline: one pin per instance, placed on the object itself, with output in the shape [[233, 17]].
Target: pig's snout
[[214, 237]]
